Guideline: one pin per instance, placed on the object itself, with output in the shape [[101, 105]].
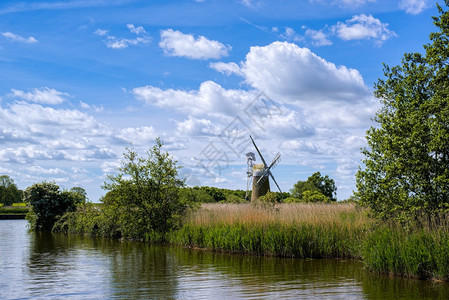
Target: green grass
[[14, 210], [300, 240], [21, 204]]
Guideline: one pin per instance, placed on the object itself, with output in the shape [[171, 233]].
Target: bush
[[292, 200], [314, 196], [48, 203]]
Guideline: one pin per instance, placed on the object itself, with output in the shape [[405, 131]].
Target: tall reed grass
[[289, 230]]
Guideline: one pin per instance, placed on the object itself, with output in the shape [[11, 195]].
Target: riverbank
[[295, 230], [13, 212]]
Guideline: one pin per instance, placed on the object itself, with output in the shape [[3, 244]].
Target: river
[[56, 266]]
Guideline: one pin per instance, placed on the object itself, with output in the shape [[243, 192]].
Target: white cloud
[[226, 68], [413, 7], [344, 3], [137, 30], [18, 38], [43, 95], [353, 2], [248, 3], [100, 32], [363, 27], [176, 43], [210, 98], [197, 127], [319, 38], [114, 42], [138, 136], [95, 108], [297, 75], [41, 170]]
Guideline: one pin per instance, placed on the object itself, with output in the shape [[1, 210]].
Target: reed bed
[[288, 230], [286, 214]]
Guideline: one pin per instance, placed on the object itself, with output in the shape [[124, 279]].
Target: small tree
[[48, 203], [146, 194], [9, 193], [316, 182]]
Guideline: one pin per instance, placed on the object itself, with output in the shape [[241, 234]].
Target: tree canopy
[[324, 186], [406, 174]]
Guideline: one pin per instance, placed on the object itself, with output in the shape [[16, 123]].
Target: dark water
[[46, 266]]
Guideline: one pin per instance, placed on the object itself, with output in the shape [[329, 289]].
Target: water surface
[[57, 266]]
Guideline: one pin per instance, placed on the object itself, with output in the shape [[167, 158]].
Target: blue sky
[[80, 80]]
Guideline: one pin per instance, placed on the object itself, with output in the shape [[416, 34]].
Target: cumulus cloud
[[18, 38], [43, 95], [197, 127], [210, 98], [138, 135], [413, 7], [363, 26], [286, 71], [176, 43]]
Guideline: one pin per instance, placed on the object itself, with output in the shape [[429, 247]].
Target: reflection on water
[[43, 265]]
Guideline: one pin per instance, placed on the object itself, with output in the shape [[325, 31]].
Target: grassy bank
[[293, 230], [15, 209]]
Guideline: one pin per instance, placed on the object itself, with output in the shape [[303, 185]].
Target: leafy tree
[[146, 194], [406, 174], [9, 193], [48, 203], [316, 182], [79, 193]]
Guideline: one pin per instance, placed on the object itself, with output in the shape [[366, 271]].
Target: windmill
[[259, 174]]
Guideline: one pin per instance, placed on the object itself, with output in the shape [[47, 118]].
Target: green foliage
[[79, 194], [231, 198], [316, 182], [48, 203], [9, 193], [292, 200], [144, 196], [207, 194], [407, 159], [89, 219], [314, 196], [18, 210], [269, 198]]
